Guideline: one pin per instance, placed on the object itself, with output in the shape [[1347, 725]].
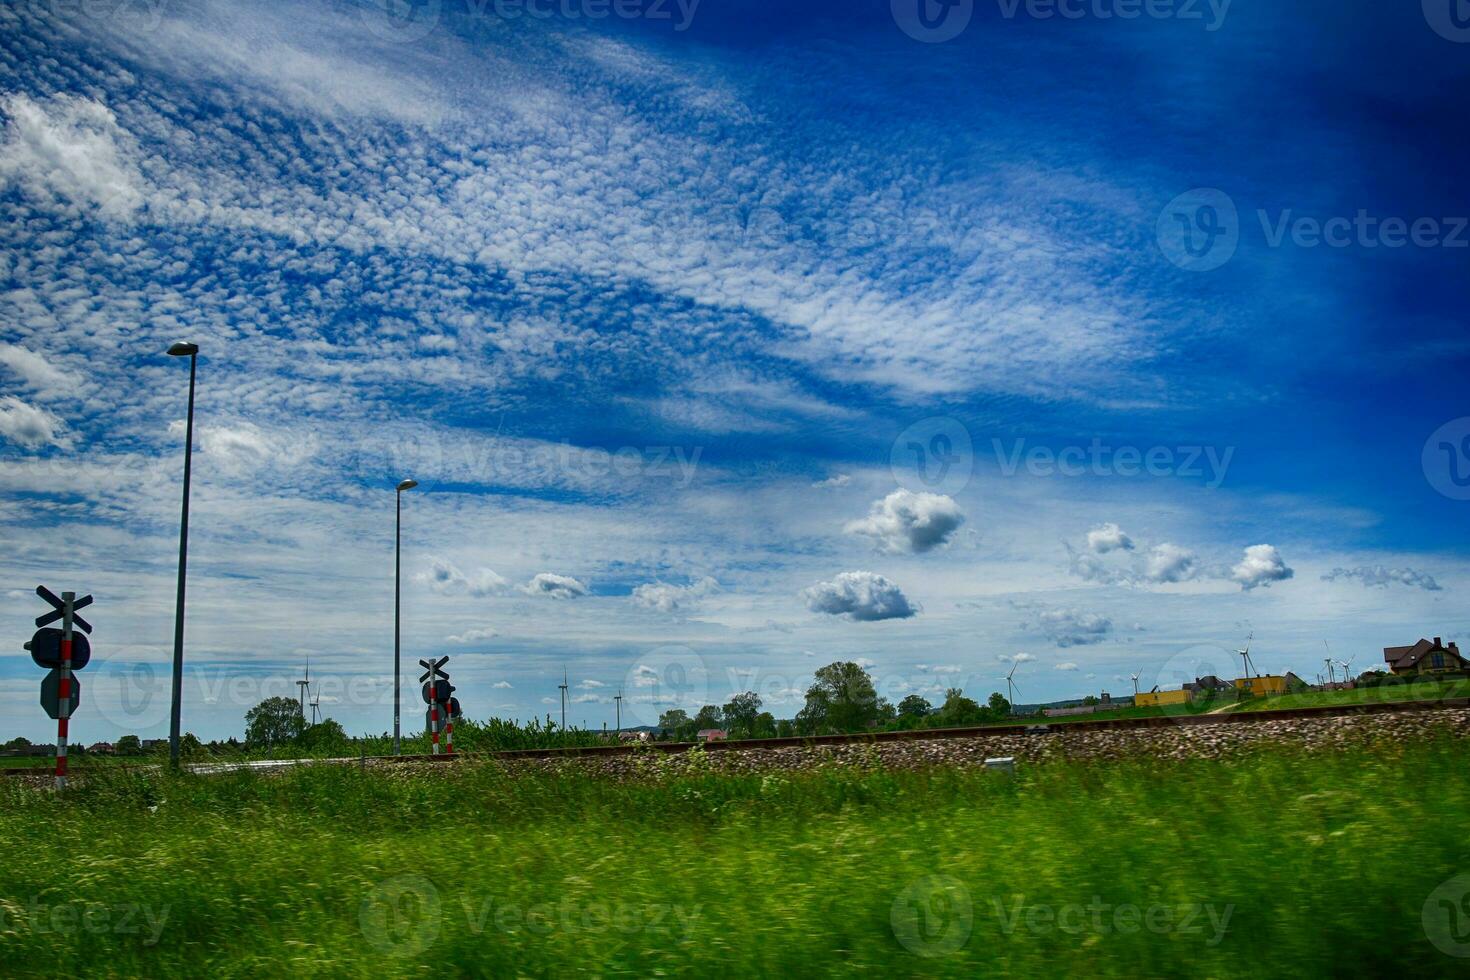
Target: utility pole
[[397, 603], [618, 701]]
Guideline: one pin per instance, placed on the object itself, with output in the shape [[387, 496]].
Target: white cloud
[[588, 685], [501, 685], [36, 371], [833, 482], [29, 426], [1019, 658], [472, 636], [860, 596], [1073, 627], [554, 586], [1260, 565], [69, 150], [1068, 665], [1170, 563], [939, 668], [673, 598], [905, 521], [1381, 577], [1108, 537], [444, 578]]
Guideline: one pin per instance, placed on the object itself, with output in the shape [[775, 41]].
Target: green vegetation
[[1390, 690], [1274, 864]]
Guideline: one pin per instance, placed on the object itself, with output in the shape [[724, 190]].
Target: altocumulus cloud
[[1381, 577], [554, 586], [673, 598], [445, 579], [864, 597], [905, 521]]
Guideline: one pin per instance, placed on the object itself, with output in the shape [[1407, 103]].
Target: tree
[[325, 736], [190, 747], [18, 743], [958, 710], [709, 717], [914, 707], [765, 725], [842, 699], [999, 706], [273, 722], [741, 712], [129, 745], [674, 719]]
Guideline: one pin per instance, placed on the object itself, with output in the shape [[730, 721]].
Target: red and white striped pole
[[434, 725], [63, 713], [448, 732]]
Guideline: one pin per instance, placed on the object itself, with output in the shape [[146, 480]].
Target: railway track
[[930, 734]]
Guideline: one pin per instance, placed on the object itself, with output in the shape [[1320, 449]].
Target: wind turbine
[[316, 703], [1347, 668], [1245, 655], [1134, 678], [305, 686], [1011, 687], [563, 688], [618, 701]]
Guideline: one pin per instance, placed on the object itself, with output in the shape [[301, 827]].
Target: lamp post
[[191, 351], [397, 601]]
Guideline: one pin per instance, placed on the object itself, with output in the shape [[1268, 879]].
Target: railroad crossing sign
[[45, 648], [431, 668], [58, 609], [63, 651], [51, 694], [438, 691]]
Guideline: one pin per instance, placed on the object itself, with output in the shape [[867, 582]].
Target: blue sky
[[727, 340]]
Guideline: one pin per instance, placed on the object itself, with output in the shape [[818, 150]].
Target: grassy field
[[1383, 694], [1268, 866]]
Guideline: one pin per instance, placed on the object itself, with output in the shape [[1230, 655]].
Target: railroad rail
[[1035, 728]]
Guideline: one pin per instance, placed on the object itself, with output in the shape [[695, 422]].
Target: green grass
[[1323, 864], [1425, 690]]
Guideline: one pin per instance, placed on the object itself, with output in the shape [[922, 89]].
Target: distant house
[[102, 748], [1262, 685], [1209, 684], [712, 735], [1425, 657], [1158, 699]]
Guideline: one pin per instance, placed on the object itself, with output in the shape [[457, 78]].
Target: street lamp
[[191, 351], [397, 602]]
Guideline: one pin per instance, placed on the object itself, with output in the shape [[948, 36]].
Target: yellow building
[[1160, 698], [1262, 686]]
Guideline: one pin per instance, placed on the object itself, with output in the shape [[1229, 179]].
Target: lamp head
[[182, 349], [407, 485]]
